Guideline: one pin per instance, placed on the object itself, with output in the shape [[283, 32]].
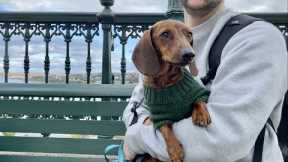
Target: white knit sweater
[[248, 89]]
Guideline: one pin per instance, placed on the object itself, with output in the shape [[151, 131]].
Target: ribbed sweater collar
[[171, 94]]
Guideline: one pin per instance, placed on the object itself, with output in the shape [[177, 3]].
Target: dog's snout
[[187, 55]]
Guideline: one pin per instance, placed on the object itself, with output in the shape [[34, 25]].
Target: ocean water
[[17, 80], [11, 80]]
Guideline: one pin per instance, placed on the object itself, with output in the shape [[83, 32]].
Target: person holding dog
[[248, 89]]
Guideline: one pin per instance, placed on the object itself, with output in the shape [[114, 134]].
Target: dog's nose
[[187, 55]]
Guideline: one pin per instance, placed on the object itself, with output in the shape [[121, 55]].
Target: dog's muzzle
[[187, 56]]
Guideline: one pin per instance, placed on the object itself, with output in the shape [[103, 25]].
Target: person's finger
[[128, 155]]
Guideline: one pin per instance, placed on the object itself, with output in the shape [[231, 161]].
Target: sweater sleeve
[[137, 96], [250, 82]]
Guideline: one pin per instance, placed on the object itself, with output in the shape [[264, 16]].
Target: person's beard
[[203, 9]]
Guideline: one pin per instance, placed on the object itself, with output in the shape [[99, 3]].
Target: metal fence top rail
[[119, 18], [79, 17]]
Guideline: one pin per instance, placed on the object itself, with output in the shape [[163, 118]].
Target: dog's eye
[[189, 35], [191, 43], [165, 34]]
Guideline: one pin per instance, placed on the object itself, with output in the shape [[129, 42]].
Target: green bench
[[45, 116]]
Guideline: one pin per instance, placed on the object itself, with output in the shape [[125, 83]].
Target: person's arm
[[249, 83]]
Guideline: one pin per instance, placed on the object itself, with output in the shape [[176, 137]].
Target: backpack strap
[[258, 150], [234, 25], [283, 126]]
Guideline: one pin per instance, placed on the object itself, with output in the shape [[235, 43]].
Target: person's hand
[[127, 154], [147, 121]]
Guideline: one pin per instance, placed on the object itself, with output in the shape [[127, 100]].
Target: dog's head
[[167, 41]]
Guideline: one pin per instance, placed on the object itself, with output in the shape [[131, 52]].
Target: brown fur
[[166, 71]]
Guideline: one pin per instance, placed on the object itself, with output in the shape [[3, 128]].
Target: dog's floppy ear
[[145, 56]]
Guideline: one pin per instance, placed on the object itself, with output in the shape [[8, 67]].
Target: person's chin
[[195, 4]]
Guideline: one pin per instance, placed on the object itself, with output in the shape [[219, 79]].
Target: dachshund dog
[[161, 55]]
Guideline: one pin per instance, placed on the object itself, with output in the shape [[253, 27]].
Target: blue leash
[[121, 156], [109, 148]]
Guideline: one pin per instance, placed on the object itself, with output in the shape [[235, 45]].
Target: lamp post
[[175, 10], [106, 17]]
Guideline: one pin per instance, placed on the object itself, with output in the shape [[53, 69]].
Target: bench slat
[[55, 145], [108, 128], [62, 107], [6, 158], [66, 90]]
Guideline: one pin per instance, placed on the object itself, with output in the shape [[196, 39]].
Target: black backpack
[[234, 25]]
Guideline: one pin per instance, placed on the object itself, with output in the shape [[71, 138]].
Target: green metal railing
[[122, 26]]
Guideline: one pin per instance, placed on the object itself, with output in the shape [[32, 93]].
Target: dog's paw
[[176, 152], [148, 158], [201, 117]]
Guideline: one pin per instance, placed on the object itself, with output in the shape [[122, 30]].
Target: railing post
[[123, 41], [27, 38], [88, 40], [67, 39], [175, 10], [47, 40], [6, 55], [106, 17]]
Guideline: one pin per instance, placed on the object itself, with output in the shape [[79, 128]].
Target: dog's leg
[[174, 147], [200, 115], [149, 158]]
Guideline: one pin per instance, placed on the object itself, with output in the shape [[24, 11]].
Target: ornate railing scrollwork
[[89, 31], [48, 30], [124, 32]]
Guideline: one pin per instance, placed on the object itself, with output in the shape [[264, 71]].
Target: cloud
[[4, 7], [258, 5], [30, 4], [131, 5], [141, 6], [86, 5]]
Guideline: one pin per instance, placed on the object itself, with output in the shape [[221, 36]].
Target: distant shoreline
[[61, 78]]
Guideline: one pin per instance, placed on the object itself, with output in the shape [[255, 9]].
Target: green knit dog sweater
[[173, 103]]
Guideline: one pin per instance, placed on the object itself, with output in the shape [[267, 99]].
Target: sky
[[133, 5], [78, 45]]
